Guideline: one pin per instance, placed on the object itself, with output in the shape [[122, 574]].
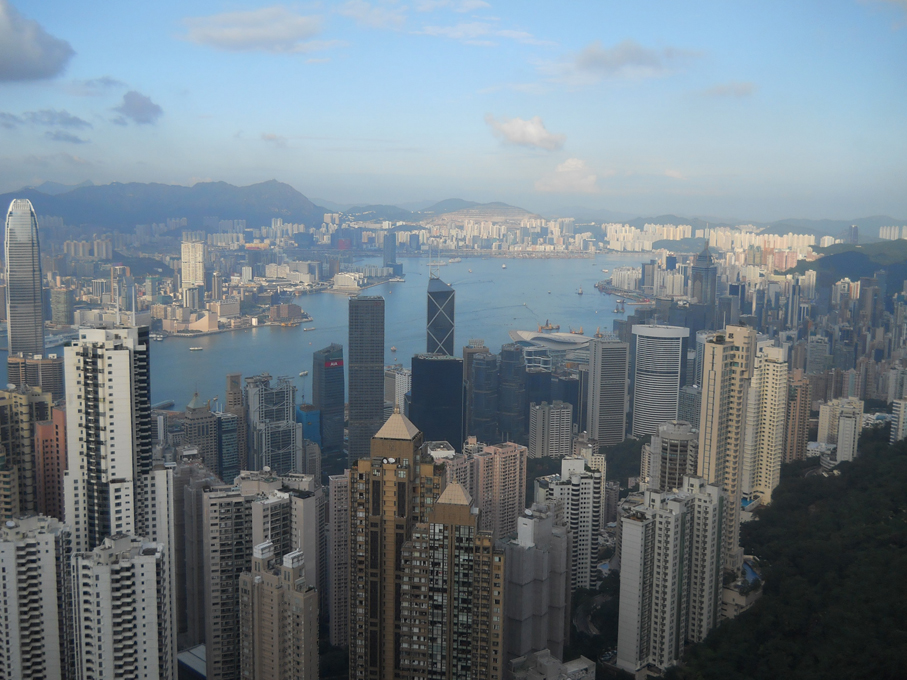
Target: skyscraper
[[482, 397], [192, 265], [512, 404], [234, 404], [659, 373], [338, 571], [200, 430], [670, 456], [274, 434], [726, 371], [366, 393], [766, 410], [20, 412], [704, 278], [50, 462], [440, 324], [328, 396], [550, 430], [437, 407], [24, 300], [799, 404], [609, 366]]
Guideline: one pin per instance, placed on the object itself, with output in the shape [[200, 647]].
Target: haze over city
[[757, 111]]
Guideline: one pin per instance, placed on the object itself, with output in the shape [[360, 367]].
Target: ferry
[[303, 374], [454, 260], [393, 348], [196, 349], [306, 330]]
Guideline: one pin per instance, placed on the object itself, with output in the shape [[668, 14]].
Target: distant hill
[[447, 206], [392, 213], [843, 260], [55, 188], [122, 206]]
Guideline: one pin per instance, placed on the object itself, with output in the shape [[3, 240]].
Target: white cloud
[[674, 174], [138, 108], [481, 33], [572, 176], [521, 132], [269, 29], [27, 51], [732, 89], [626, 60], [455, 5], [372, 15]]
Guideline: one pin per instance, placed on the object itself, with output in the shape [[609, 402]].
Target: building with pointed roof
[[704, 278]]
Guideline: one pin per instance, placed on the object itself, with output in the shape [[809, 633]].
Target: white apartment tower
[[840, 423], [35, 597], [898, 420], [766, 411], [727, 368], [671, 455], [606, 409], [580, 493], [192, 264], [671, 573], [123, 611], [550, 429], [657, 376]]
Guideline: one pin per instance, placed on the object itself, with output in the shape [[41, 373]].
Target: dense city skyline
[[756, 113]]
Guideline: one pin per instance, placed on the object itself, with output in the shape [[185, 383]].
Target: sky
[[750, 109]]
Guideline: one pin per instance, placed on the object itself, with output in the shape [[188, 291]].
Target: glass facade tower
[[24, 304], [328, 395], [366, 354]]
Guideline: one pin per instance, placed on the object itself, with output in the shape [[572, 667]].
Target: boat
[[306, 330], [604, 271], [196, 349], [580, 291], [549, 326], [303, 374], [469, 270], [503, 266], [454, 260], [393, 348], [579, 332]]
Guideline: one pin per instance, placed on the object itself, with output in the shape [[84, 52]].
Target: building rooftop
[[398, 426], [454, 494]]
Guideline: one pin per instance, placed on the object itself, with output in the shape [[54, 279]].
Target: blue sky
[[756, 110]]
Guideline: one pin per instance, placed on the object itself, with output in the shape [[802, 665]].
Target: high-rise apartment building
[[495, 478], [192, 265], [670, 574], [451, 602], [799, 405], [20, 411], [366, 387], [898, 420], [36, 630], [234, 404], [123, 604], [328, 395], [550, 429], [24, 298], [840, 423], [50, 462], [671, 455], [338, 572], [579, 491], [766, 412], [537, 584], [37, 371], [440, 326], [609, 365], [659, 373], [278, 615], [62, 303], [391, 492], [437, 407], [726, 372]]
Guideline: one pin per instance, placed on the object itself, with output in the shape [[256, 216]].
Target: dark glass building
[[483, 398], [513, 406], [328, 396], [440, 325], [228, 447], [366, 347], [24, 302], [438, 398]]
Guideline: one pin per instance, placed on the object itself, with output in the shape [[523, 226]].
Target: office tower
[[726, 372], [670, 456], [192, 265], [37, 371], [20, 411], [475, 346], [217, 286], [234, 404], [458, 608], [658, 376], [607, 390], [495, 478], [390, 493], [840, 423], [670, 574], [24, 302], [538, 383], [799, 404], [689, 403], [397, 382], [190, 480], [366, 399], [200, 430], [108, 435], [766, 410], [287, 511], [278, 615], [50, 462], [816, 354], [328, 383], [579, 491], [62, 302], [229, 446], [36, 630], [338, 610], [123, 605], [438, 396], [390, 249], [550, 430], [440, 326], [273, 432], [483, 397], [512, 403], [704, 278], [537, 584]]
